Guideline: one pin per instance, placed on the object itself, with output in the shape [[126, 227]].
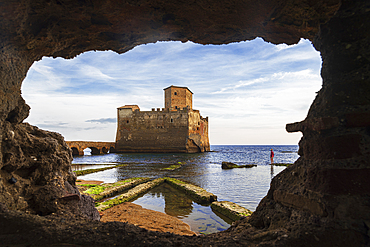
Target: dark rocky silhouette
[[321, 200]]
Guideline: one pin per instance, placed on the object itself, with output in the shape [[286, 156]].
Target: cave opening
[[256, 88], [255, 85]]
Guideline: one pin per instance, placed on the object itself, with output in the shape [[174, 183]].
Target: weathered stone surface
[[199, 194], [89, 171], [177, 128], [130, 194], [315, 124], [147, 219], [231, 210], [39, 160], [329, 180], [115, 188]]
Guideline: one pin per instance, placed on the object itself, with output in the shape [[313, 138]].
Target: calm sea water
[[244, 186]]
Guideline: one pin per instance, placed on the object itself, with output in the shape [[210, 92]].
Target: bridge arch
[[94, 150], [78, 147], [75, 151]]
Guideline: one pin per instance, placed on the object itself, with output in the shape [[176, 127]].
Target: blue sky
[[249, 90]]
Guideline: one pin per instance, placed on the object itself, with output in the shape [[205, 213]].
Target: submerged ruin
[[321, 200]]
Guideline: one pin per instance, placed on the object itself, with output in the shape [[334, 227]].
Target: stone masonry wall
[[161, 131], [152, 131], [178, 98], [198, 132]]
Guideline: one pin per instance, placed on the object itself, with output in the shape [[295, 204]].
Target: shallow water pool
[[171, 201]]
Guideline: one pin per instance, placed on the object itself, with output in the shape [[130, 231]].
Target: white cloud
[[89, 71]]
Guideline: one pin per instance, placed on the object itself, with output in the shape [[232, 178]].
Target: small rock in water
[[229, 165]]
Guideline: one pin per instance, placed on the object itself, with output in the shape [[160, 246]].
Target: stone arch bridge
[[78, 147]]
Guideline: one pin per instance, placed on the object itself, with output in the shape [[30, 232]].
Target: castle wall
[[204, 134], [151, 131], [161, 131], [198, 140]]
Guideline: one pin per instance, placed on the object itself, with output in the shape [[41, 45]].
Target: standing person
[[272, 156]]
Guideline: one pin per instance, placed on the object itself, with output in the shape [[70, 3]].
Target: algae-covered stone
[[99, 192], [88, 171], [229, 165], [282, 164], [172, 167], [230, 210], [199, 194], [129, 195]]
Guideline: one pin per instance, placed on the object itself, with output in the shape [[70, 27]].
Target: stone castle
[[176, 128]]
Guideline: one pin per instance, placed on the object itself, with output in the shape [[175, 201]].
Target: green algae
[[99, 192], [172, 167], [230, 210], [129, 195], [282, 164], [88, 171], [199, 194]]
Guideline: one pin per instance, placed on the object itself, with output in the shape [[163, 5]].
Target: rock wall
[[323, 199], [327, 191], [36, 174]]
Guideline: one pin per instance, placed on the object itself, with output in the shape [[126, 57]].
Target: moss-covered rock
[[230, 210], [199, 194], [129, 195], [99, 192], [282, 164], [229, 165], [88, 171], [172, 167]]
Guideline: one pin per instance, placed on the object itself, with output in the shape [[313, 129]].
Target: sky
[[249, 90]]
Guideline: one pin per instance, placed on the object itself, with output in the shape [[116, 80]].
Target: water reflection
[[272, 171], [176, 203], [244, 186], [88, 166], [165, 198]]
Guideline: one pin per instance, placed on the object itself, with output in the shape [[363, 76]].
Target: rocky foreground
[[147, 219], [21, 230]]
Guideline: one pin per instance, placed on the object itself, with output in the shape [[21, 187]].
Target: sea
[[244, 186]]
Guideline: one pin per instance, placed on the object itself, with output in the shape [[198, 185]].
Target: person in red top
[[272, 156]]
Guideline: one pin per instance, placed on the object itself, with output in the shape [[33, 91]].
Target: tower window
[[171, 120], [175, 93], [127, 121]]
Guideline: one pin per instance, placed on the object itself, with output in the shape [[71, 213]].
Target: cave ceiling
[[62, 28]]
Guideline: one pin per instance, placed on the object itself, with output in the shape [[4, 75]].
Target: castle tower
[[177, 98]]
